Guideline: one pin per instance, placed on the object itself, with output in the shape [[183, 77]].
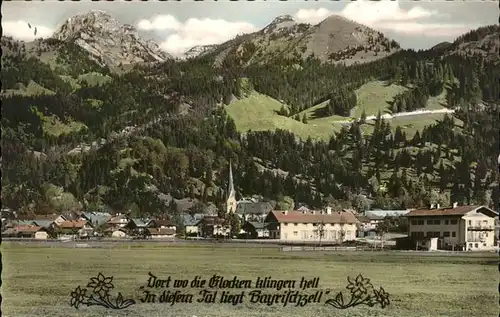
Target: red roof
[[27, 229], [73, 224], [299, 217], [449, 211]]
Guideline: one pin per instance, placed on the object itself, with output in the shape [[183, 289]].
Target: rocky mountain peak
[[109, 42], [280, 23], [283, 18]]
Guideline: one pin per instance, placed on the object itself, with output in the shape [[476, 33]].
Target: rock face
[[198, 50], [108, 41], [334, 40]]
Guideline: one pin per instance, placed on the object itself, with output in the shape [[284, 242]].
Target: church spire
[[231, 191]]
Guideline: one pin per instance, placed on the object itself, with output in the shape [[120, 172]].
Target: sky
[[178, 26]]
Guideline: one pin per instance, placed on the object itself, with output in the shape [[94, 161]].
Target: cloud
[[194, 32], [20, 30], [387, 16], [312, 16], [162, 22]]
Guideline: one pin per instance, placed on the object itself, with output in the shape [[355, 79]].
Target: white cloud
[[194, 32], [20, 30], [312, 16], [161, 22], [387, 16]]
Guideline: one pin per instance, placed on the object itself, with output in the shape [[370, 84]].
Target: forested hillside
[[77, 136]]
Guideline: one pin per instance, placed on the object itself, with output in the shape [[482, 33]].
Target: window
[[420, 222], [453, 234], [295, 224], [295, 233], [285, 223], [470, 222], [453, 222], [470, 245], [446, 222], [437, 222], [476, 245], [414, 222], [484, 244], [446, 234], [430, 222], [428, 234]]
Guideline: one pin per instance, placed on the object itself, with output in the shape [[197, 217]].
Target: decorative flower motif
[[362, 293], [359, 286], [101, 285], [382, 297], [78, 297]]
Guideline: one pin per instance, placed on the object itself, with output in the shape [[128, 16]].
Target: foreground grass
[[37, 281]]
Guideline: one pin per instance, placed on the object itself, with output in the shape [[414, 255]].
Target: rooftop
[[299, 217], [447, 211]]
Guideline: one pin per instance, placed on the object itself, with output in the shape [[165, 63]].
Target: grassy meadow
[[258, 112], [37, 281]]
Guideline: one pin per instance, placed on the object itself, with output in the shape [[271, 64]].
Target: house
[[467, 228], [55, 218], [190, 223], [367, 227], [161, 233], [27, 231], [96, 219], [117, 233], [121, 221], [256, 230], [212, 226], [328, 226], [253, 211], [161, 224], [79, 228]]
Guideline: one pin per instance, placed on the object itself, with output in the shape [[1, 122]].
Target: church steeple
[[231, 192], [231, 195]]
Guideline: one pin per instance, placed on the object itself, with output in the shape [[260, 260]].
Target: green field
[[258, 112], [38, 281]]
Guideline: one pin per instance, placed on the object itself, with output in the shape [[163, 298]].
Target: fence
[[241, 242]]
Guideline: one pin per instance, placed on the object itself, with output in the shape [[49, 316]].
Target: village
[[459, 228], [456, 228]]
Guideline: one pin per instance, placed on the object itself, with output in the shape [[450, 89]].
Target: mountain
[[108, 41], [295, 127], [198, 50], [335, 39], [484, 41], [440, 47]]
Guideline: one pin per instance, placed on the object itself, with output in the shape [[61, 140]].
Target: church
[[246, 209]]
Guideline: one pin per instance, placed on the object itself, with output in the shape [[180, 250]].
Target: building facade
[[312, 226], [468, 228]]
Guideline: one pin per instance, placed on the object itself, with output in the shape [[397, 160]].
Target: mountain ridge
[[110, 42]]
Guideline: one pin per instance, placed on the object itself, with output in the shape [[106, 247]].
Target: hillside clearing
[[258, 112]]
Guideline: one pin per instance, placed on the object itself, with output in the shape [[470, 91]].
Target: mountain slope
[[108, 41], [75, 101], [484, 41], [335, 39]]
